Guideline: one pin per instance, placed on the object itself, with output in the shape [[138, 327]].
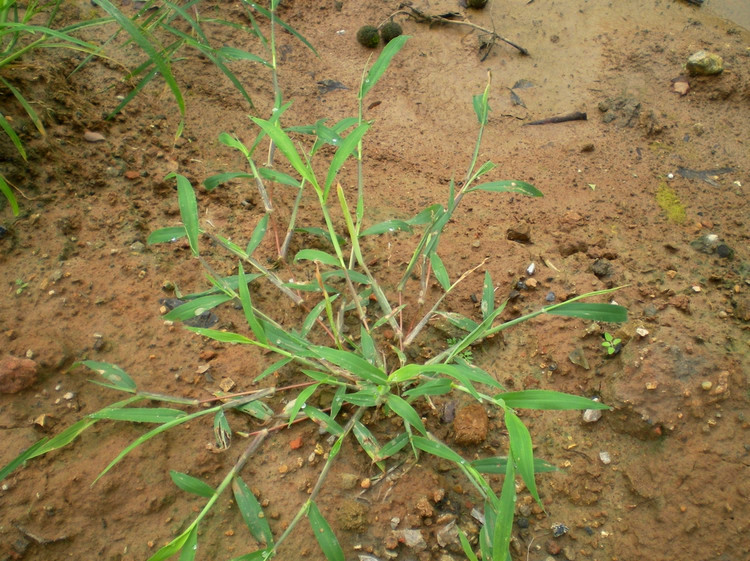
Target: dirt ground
[[650, 192]]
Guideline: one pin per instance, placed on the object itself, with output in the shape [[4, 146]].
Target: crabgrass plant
[[362, 369]]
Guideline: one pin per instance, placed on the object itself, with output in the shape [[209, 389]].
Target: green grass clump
[[390, 31], [367, 36], [670, 203]]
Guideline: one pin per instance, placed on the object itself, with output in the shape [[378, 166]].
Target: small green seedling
[[21, 285], [612, 345]]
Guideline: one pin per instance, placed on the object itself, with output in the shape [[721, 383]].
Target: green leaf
[[393, 446], [313, 316], [363, 398], [402, 408], [369, 352], [238, 54], [278, 177], [522, 451], [64, 438], [215, 180], [26, 105], [389, 226], [193, 308], [432, 387], [299, 403], [257, 409], [481, 107], [191, 484], [438, 449], [368, 442], [286, 146], [346, 147], [171, 234], [222, 430], [326, 420], [488, 296], [323, 533], [508, 186], [143, 42], [607, 313], [6, 191], [286, 26], [191, 546], [188, 210], [12, 135], [317, 255], [274, 367], [504, 521], [139, 415], [21, 458], [548, 399], [465, 545], [260, 555], [247, 307], [380, 66], [118, 379], [497, 465], [174, 546], [439, 269], [352, 363], [221, 336], [460, 321], [252, 512]]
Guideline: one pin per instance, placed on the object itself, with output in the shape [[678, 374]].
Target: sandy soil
[[623, 205]]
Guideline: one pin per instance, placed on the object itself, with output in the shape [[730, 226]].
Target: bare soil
[[79, 283]]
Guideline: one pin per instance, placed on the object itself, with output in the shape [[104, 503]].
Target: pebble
[[550, 297], [530, 269], [706, 385], [17, 374], [90, 136], [702, 63], [605, 458], [531, 283], [641, 331], [592, 415], [520, 233]]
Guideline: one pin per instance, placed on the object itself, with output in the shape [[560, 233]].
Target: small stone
[[531, 283], [349, 481], [412, 539], [553, 547], [17, 374], [724, 251], [605, 458], [226, 384], [601, 268], [696, 288], [651, 386], [131, 174], [90, 136], [578, 357], [530, 269], [550, 297], [641, 331], [588, 147], [475, 244], [69, 395], [706, 385], [703, 63], [592, 415], [520, 233], [137, 247], [558, 530], [366, 483]]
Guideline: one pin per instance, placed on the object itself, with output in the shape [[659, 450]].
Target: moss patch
[[670, 203]]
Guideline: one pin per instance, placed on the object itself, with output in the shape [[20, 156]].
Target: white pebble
[[641, 331], [69, 396], [530, 269], [592, 415], [605, 457]]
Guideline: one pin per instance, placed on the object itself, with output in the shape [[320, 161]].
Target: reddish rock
[[471, 425], [16, 374], [132, 174]]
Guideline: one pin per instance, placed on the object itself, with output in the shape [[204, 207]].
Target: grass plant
[[339, 346]]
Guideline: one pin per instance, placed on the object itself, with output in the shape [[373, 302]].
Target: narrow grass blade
[[252, 512], [238, 54], [174, 546], [497, 465], [503, 525], [194, 308], [522, 451], [134, 92], [441, 274], [214, 181], [317, 255], [325, 420], [323, 533], [369, 352], [488, 296], [402, 408], [274, 367], [222, 431], [139, 415], [278, 177], [170, 234], [21, 458], [286, 146], [118, 379], [257, 409], [191, 546], [149, 435], [380, 66], [481, 106], [12, 135], [26, 106], [438, 449], [260, 555], [389, 226], [313, 316], [346, 147], [247, 307], [188, 210], [6, 191], [460, 321], [466, 546], [286, 26], [143, 42], [299, 403], [362, 398], [508, 186], [548, 399], [191, 484], [221, 336], [353, 363], [607, 313], [368, 442], [432, 387], [393, 446]]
